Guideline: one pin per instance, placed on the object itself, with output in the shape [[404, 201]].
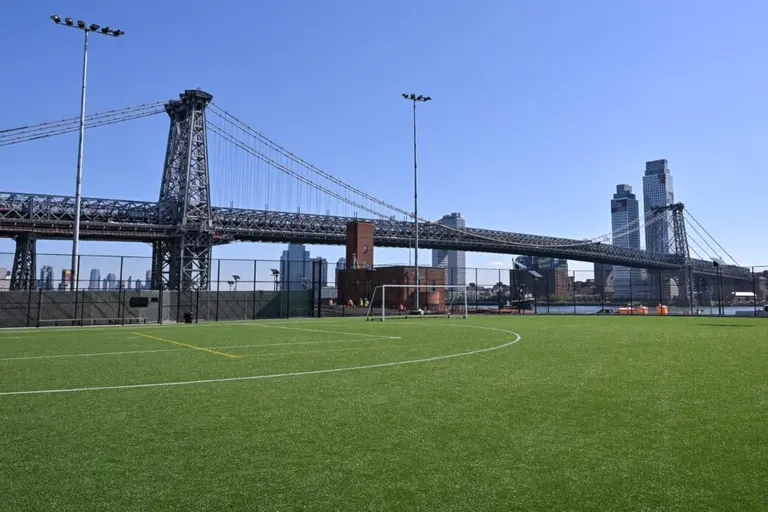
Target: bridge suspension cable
[[360, 197], [690, 216], [254, 152], [10, 136]]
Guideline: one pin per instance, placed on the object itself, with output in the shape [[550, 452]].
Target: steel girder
[[260, 225], [24, 263], [52, 217], [185, 262]]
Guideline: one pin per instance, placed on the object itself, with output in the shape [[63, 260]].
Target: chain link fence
[[119, 290]]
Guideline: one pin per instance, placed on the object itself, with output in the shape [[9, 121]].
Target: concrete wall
[[52, 307]]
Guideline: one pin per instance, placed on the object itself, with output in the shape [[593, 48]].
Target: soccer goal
[[390, 301]]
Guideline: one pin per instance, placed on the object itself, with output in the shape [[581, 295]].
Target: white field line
[[278, 375], [210, 323], [127, 352], [306, 329]]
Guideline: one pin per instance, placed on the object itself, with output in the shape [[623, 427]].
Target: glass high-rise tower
[[658, 190], [625, 218], [454, 261]]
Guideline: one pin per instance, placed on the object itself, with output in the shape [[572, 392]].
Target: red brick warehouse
[[361, 277]]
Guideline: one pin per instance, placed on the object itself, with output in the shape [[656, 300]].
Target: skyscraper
[[110, 282], [625, 227], [46, 277], [94, 283], [658, 190], [454, 261], [295, 268]]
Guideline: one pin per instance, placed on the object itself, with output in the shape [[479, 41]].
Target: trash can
[[188, 317]]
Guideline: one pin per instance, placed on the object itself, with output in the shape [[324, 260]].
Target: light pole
[[236, 278], [414, 98], [81, 25]]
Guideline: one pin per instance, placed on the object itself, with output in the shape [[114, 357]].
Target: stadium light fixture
[[79, 175]]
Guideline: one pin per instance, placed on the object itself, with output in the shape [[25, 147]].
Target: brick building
[[360, 283], [360, 277]]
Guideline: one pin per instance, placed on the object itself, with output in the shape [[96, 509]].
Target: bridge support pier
[[24, 263]]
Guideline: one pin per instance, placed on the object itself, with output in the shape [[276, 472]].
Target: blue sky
[[540, 108]]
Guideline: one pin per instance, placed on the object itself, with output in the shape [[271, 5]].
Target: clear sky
[[540, 108]]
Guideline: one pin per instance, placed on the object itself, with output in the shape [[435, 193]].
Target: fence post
[[160, 291], [39, 304], [573, 291], [754, 290], [253, 315], [661, 289], [631, 303], [29, 303], [288, 291], [498, 280], [120, 290], [218, 287], [197, 306], [602, 288], [546, 287]]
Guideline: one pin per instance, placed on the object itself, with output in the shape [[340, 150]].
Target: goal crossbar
[[463, 289]]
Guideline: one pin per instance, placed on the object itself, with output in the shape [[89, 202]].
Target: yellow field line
[[186, 345]]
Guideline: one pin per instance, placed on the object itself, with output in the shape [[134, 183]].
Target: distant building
[[110, 282], [46, 277], [341, 264], [357, 284], [454, 261], [138, 285], [130, 283], [148, 280], [295, 268], [66, 279], [625, 227], [5, 279], [554, 281], [658, 190], [94, 283]]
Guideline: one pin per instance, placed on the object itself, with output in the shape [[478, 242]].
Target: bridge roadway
[[51, 217]]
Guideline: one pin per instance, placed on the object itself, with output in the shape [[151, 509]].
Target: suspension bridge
[[276, 196]]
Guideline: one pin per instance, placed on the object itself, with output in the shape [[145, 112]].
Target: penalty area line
[[187, 345], [278, 375], [154, 351]]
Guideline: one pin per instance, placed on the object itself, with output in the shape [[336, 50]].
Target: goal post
[[391, 301]]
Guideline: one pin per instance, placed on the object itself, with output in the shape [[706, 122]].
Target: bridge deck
[[49, 216]]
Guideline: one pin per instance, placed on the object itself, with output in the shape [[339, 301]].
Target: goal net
[[390, 301]]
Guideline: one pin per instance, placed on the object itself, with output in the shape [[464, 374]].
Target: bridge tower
[[680, 247], [24, 263], [183, 263]]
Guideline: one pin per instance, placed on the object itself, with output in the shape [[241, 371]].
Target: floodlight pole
[[414, 98], [79, 174]]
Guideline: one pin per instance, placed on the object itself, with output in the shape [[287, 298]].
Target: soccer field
[[532, 413]]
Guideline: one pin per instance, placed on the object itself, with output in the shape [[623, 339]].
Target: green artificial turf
[[583, 413]]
